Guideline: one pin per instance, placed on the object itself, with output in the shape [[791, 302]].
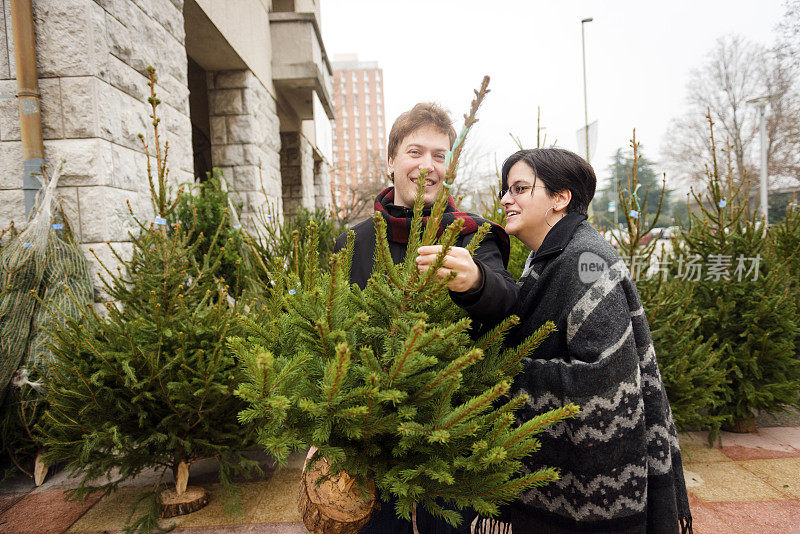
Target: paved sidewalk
[[750, 485]]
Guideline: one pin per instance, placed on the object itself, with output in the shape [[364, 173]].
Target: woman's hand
[[458, 260]]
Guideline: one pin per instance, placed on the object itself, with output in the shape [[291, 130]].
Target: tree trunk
[[191, 500], [337, 505], [742, 426], [182, 499], [39, 469]]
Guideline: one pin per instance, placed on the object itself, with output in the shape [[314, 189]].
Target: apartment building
[[359, 136]]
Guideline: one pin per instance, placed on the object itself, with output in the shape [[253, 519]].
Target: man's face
[[424, 148]]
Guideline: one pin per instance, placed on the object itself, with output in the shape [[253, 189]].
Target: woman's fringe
[[491, 526]]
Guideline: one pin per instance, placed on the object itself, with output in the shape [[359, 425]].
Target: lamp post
[[761, 102], [585, 99]]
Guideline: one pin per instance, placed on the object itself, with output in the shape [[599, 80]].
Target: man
[[420, 139]]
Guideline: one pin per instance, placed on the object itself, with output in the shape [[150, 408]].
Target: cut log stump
[[742, 426], [191, 500], [336, 506]]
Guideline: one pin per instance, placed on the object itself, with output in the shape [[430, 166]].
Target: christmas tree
[[690, 366], [201, 214], [151, 384], [746, 305], [785, 247], [387, 384]]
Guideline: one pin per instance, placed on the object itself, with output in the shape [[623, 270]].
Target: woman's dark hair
[[558, 169]]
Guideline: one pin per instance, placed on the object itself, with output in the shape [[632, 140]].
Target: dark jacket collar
[[559, 236]]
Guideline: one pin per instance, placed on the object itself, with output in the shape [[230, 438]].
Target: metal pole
[[585, 98], [30, 117], [763, 131]]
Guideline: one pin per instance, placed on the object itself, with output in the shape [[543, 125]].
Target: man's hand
[[458, 260]]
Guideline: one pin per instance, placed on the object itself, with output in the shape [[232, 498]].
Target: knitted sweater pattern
[[619, 460]]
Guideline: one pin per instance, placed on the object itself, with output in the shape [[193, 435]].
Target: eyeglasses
[[516, 190]]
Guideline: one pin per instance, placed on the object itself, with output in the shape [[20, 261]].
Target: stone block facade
[[245, 140], [92, 57], [297, 171]]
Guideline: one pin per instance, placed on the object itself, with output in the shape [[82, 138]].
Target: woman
[[619, 461]]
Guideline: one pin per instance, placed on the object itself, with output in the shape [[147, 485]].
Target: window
[[355, 134], [355, 101], [353, 76], [344, 123]]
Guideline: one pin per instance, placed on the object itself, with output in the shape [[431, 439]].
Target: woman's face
[[527, 213]]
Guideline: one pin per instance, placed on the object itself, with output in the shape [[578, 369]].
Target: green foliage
[[280, 245], [785, 248], [750, 317], [151, 384], [690, 366], [386, 381], [201, 214], [653, 194]]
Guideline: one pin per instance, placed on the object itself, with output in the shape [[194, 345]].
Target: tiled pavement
[[749, 485]]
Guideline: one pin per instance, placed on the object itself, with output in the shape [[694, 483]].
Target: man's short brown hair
[[423, 114]]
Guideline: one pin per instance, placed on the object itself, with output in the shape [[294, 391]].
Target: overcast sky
[[638, 60]]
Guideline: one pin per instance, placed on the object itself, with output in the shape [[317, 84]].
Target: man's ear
[[390, 169]]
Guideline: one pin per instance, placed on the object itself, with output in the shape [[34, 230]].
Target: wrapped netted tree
[[690, 365], [387, 386], [745, 302], [150, 384], [59, 283]]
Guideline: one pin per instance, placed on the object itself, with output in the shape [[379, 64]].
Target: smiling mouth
[[510, 214], [428, 181]]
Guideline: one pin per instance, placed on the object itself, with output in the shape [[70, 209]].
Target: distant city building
[[359, 135]]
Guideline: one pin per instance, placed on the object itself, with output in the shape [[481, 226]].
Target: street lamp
[[761, 102], [585, 99]]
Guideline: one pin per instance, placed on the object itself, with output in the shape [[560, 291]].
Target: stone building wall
[[245, 142], [297, 171], [322, 185], [91, 59]]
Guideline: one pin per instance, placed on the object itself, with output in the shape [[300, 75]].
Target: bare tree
[[354, 201], [475, 178], [737, 70]]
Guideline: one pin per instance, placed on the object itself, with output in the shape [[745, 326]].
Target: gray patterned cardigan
[[620, 462]]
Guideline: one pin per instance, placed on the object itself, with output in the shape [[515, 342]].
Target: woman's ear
[[562, 200]]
